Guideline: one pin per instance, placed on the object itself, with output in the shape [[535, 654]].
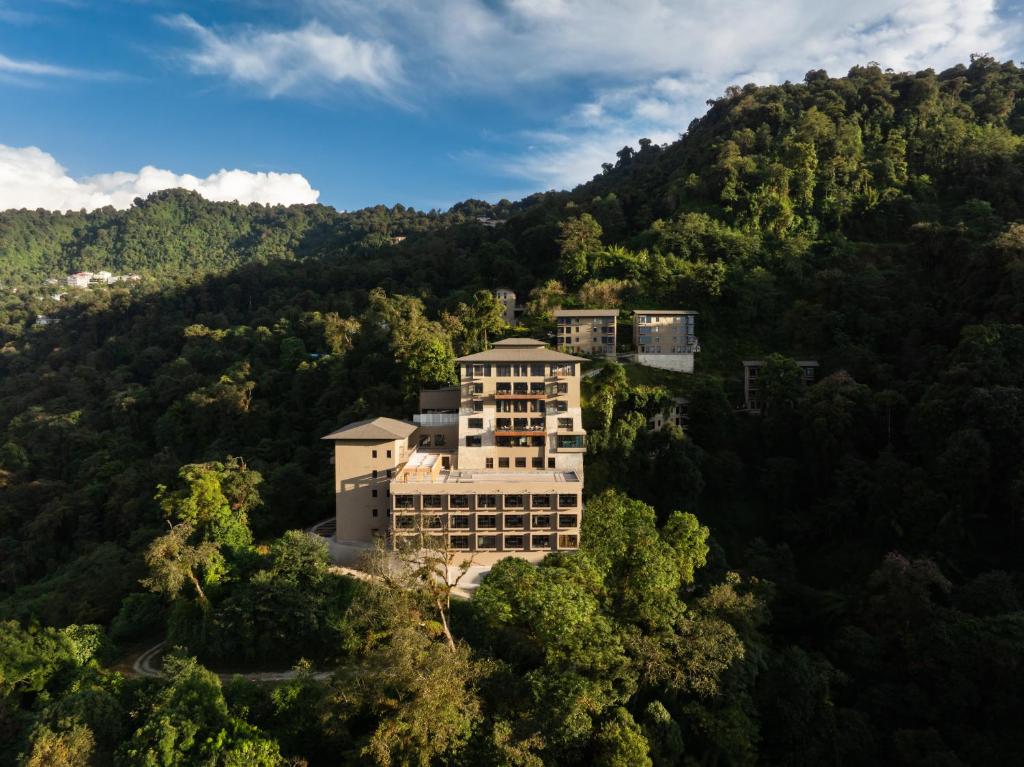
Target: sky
[[354, 103]]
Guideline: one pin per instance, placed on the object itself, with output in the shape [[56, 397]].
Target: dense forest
[[838, 579]]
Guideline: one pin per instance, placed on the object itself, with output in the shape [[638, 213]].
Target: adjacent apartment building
[[665, 338], [587, 331], [751, 381], [507, 298], [493, 466]]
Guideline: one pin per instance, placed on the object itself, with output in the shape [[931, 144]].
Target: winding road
[[145, 664]]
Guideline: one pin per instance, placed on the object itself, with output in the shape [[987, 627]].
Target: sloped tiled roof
[[374, 428], [586, 312], [520, 350]]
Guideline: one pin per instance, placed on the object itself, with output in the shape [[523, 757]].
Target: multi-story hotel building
[[493, 466], [586, 331], [665, 338]]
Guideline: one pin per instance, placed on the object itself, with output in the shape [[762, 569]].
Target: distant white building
[[103, 278], [79, 279], [45, 320]]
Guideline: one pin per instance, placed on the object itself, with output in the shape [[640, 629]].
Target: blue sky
[[355, 103]]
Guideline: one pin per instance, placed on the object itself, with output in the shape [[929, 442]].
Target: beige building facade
[[493, 466], [587, 331], [507, 298], [666, 338]]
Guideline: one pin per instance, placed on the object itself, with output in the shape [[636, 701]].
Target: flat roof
[[489, 476], [801, 363], [374, 428], [664, 311], [586, 312]]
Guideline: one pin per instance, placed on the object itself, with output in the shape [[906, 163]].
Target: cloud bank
[[645, 67], [31, 178]]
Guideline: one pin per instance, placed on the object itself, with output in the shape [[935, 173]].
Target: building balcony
[[520, 395], [436, 419]]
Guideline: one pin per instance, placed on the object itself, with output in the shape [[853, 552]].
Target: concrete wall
[[680, 363]]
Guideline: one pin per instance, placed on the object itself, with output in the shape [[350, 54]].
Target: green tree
[[579, 241], [187, 722], [215, 500]]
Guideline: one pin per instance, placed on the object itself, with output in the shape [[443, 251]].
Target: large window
[[512, 521], [565, 423], [566, 501], [537, 370], [405, 522], [474, 441], [567, 520], [503, 371], [433, 522], [513, 542], [431, 502], [405, 502], [540, 501], [481, 370], [476, 423], [568, 541], [486, 502], [521, 462], [540, 521], [542, 541], [513, 501], [570, 441], [487, 542], [521, 441], [459, 542], [460, 522], [486, 521], [458, 501]]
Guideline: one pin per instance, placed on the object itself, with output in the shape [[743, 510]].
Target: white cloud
[[742, 43], [292, 61], [31, 178], [36, 68]]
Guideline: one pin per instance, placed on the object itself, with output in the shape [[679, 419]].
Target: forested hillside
[[837, 580]]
